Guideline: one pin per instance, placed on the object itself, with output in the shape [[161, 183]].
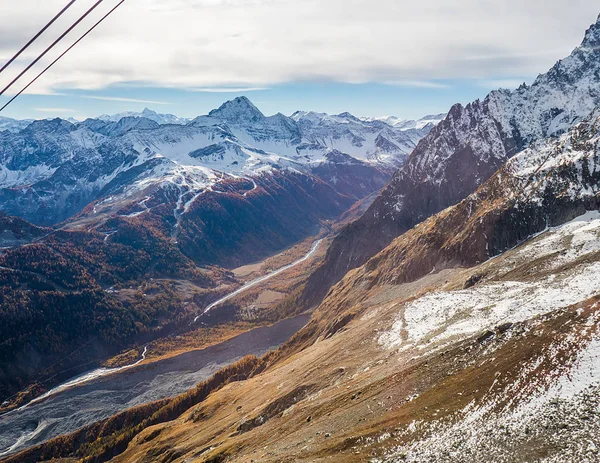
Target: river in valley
[[70, 408]]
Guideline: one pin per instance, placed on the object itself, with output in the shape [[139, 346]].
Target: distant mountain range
[[52, 169], [15, 125], [147, 114], [407, 124]]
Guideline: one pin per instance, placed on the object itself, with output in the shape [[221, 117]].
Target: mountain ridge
[[483, 317], [62, 172], [465, 324], [464, 150]]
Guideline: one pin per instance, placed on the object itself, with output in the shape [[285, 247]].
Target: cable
[[28, 44], [63, 54], [52, 46]]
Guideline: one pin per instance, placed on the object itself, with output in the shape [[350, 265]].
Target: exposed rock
[[462, 152]]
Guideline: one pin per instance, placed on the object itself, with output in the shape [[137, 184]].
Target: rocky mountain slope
[[13, 125], [473, 335], [435, 376], [464, 150], [546, 185]]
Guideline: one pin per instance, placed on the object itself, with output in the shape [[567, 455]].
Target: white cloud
[[202, 44], [54, 110], [228, 89], [417, 84], [117, 98]]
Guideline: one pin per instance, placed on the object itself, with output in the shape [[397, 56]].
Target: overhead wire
[[37, 36], [56, 42], [63, 54]]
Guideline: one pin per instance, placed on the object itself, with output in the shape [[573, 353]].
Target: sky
[[368, 57]]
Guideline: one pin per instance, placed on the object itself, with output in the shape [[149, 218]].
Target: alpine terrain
[[464, 150], [121, 231], [314, 288]]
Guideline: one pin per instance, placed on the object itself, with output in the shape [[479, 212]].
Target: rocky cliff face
[[544, 186], [463, 151]]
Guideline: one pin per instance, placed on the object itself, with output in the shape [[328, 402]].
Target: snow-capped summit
[[592, 35], [582, 66], [147, 113], [465, 149], [346, 115], [408, 124], [13, 125], [308, 115], [238, 111]]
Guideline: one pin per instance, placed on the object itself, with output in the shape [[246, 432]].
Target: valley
[[238, 287], [166, 364], [159, 256], [258, 281], [78, 405], [197, 329]]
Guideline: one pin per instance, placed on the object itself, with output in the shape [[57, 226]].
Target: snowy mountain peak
[[592, 35], [310, 116], [152, 115], [148, 114], [238, 111], [347, 115], [404, 124], [51, 126]]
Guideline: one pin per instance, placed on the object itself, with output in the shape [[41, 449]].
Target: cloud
[[418, 84], [228, 89], [117, 98], [232, 44], [54, 110]]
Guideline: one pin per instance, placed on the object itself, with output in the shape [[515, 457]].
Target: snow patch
[[442, 316]]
